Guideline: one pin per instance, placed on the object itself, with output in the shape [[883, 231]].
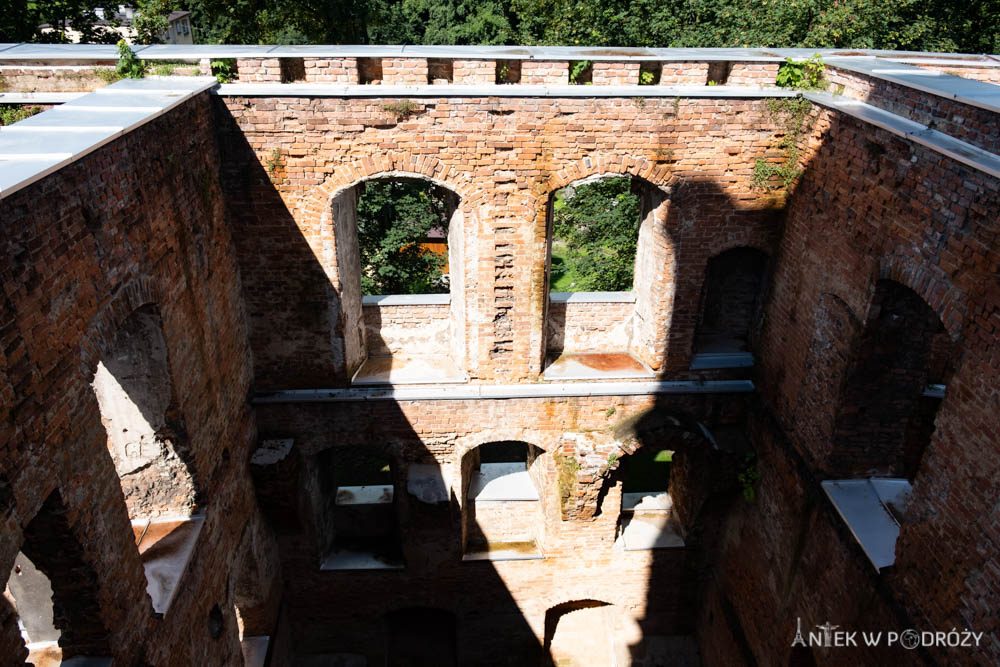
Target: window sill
[[592, 297], [498, 551], [165, 548], [863, 504], [714, 352], [347, 559], [597, 366], [645, 531], [438, 369], [372, 494], [406, 300], [502, 482]]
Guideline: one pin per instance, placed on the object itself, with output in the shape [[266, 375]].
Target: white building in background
[[179, 30]]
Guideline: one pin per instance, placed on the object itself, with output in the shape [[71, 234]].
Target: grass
[[563, 280]]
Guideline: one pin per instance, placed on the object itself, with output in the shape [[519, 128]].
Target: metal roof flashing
[[82, 125]]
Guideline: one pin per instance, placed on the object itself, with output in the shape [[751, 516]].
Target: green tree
[[595, 232], [150, 20], [393, 218]]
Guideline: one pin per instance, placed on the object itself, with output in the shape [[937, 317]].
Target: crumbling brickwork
[[139, 221], [228, 226]]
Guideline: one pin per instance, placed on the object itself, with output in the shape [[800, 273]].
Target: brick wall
[[331, 70], [863, 213], [589, 327], [544, 73], [683, 74], [292, 156], [404, 71], [408, 330], [970, 124], [615, 74], [500, 606], [138, 221], [985, 74], [49, 79], [753, 74], [471, 72]]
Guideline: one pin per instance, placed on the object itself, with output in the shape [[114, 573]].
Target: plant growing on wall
[[10, 114], [748, 478], [792, 115], [224, 70], [566, 469], [802, 75], [129, 66]]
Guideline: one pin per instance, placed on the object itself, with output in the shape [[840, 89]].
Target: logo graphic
[[799, 639], [910, 639]]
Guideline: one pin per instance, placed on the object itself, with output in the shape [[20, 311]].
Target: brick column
[[544, 72], [332, 70], [753, 74], [404, 71], [684, 74], [472, 72], [615, 74], [259, 70]]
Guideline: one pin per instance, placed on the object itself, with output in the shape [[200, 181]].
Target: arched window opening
[[886, 416], [148, 444], [580, 633], [421, 637], [896, 383], [730, 309], [357, 523], [53, 591], [399, 256], [502, 516], [647, 519], [146, 434], [595, 255]]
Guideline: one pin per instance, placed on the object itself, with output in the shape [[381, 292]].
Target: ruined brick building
[[212, 445]]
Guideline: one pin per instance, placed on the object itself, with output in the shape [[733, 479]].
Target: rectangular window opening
[[440, 71]]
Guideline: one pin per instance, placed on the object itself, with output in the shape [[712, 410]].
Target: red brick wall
[[971, 124], [864, 212], [138, 221], [986, 74], [408, 330], [589, 327], [48, 79], [290, 156]]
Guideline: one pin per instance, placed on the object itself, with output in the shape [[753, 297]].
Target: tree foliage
[[595, 231], [393, 218], [929, 25]]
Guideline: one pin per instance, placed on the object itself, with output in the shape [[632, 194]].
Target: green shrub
[[10, 114], [804, 75], [224, 70], [129, 66]]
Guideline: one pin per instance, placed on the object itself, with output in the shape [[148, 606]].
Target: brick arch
[[547, 441], [930, 284], [609, 166], [655, 249], [130, 297], [388, 165]]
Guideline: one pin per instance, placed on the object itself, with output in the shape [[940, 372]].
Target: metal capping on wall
[[42, 144], [30, 51], [469, 392]]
